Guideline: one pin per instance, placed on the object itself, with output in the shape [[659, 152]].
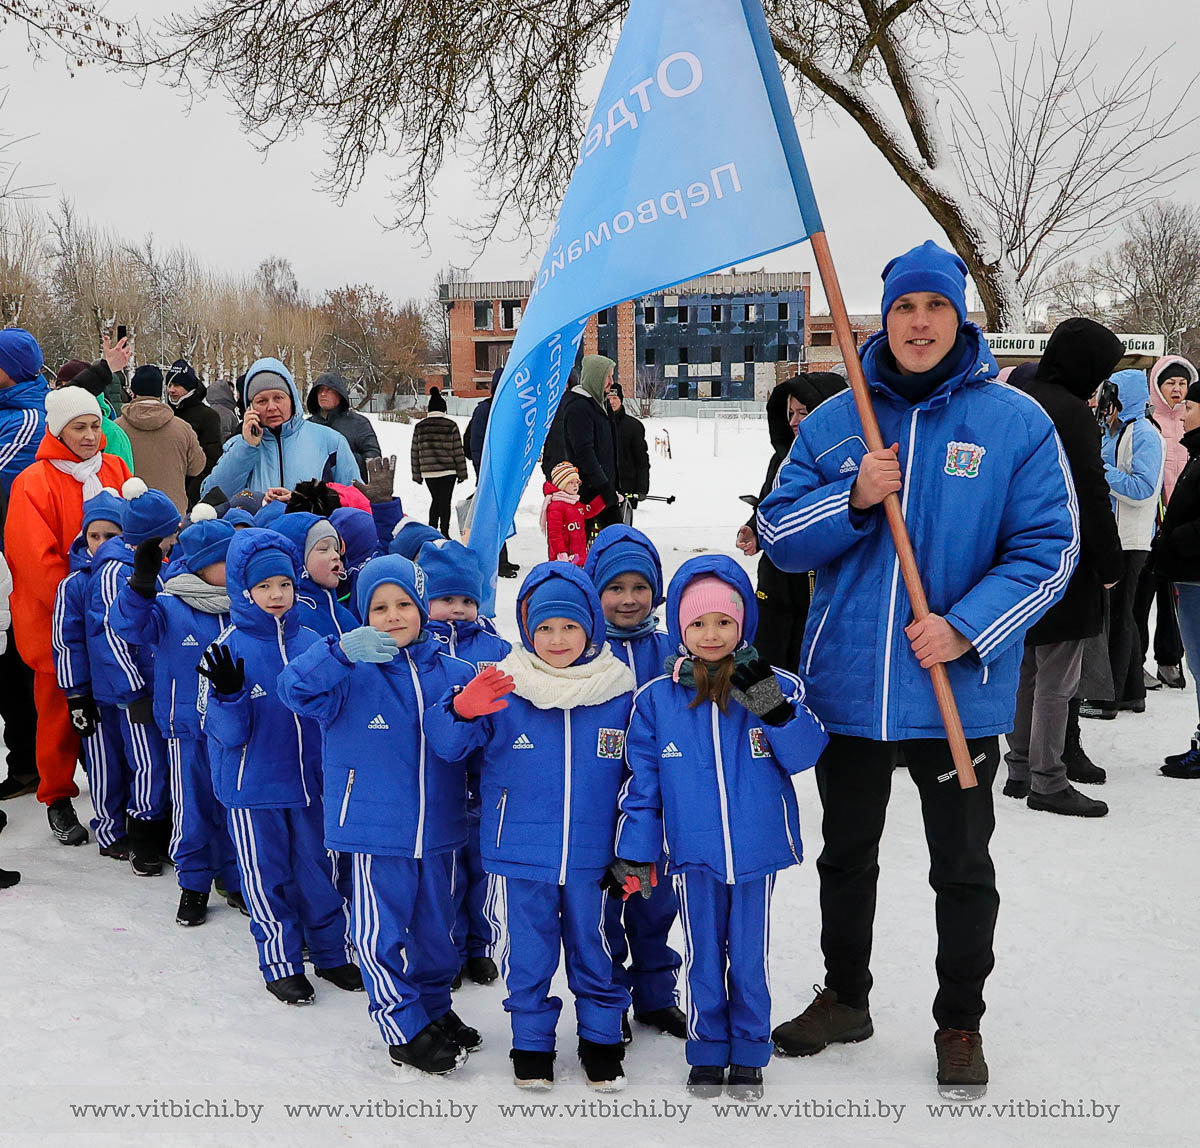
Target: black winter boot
[[144, 858], [602, 1065], [294, 990], [669, 1020], [1080, 767], [344, 977], [1069, 802], [64, 823], [9, 878], [745, 1083], [962, 1071], [431, 1050], [459, 1031], [824, 1022], [193, 908], [482, 970], [706, 1081], [532, 1070]]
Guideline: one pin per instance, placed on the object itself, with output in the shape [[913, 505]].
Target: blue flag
[[690, 163]]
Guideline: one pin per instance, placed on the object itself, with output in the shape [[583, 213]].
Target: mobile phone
[[122, 331]]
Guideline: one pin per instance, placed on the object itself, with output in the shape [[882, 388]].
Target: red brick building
[[482, 320]]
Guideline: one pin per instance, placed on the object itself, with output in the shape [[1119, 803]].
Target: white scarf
[[85, 471], [598, 681], [198, 594]]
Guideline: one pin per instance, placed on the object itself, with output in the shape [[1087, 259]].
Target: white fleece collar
[[598, 681]]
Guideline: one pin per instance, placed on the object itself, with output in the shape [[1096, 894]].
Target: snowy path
[[1094, 999]]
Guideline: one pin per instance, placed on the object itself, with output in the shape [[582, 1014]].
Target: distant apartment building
[[727, 336]]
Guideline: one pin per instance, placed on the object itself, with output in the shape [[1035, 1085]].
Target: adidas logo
[[523, 742], [189, 641], [256, 691], [848, 467], [672, 750], [377, 722]]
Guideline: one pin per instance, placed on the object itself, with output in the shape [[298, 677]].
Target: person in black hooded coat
[[186, 394], [329, 404], [633, 456], [783, 598], [1045, 753]]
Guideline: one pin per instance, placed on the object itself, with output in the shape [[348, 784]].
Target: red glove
[[483, 694]]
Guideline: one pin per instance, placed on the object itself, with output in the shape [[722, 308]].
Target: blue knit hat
[[557, 598], [450, 568], [400, 572], [107, 506], [20, 356], [146, 513], [623, 550], [409, 536], [236, 516], [203, 543], [926, 268], [273, 562]]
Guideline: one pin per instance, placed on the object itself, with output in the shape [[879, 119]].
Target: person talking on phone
[[277, 446]]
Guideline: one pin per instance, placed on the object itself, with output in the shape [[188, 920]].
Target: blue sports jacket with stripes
[[68, 634], [990, 505], [22, 426], [121, 672]]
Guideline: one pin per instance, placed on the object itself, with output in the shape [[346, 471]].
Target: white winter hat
[[68, 403]]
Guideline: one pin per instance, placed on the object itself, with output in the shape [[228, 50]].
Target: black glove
[[141, 711], [756, 687], [84, 714], [381, 479], [218, 666], [624, 878], [147, 565]]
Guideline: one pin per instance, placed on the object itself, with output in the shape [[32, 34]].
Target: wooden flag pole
[[891, 505]]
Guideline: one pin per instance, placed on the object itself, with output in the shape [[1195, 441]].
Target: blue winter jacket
[[359, 533], [22, 427], [262, 755], [68, 634], [177, 634], [301, 450], [714, 788], [476, 642], [319, 608], [387, 789], [550, 777], [122, 672], [1140, 447], [992, 514]]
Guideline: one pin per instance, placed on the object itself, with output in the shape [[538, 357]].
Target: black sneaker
[[9, 878], [118, 850], [706, 1081], [193, 908], [482, 970], [1185, 766], [64, 824], [145, 860], [1172, 677], [744, 1083], [1176, 758], [532, 1070], [12, 787], [431, 1050], [669, 1020], [459, 1031], [962, 1072], [602, 1065], [1103, 711], [1069, 802], [347, 977], [294, 990], [1015, 788], [824, 1022], [235, 900]]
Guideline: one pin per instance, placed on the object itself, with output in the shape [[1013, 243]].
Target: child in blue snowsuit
[[395, 805], [454, 582], [711, 747], [178, 623], [409, 536], [322, 574], [103, 754], [551, 770], [266, 772], [625, 569], [359, 532], [123, 674]]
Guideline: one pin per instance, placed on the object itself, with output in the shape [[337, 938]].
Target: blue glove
[[367, 644]]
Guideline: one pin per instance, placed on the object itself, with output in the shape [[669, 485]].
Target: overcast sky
[[137, 161]]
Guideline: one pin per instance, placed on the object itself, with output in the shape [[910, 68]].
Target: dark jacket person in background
[[473, 439], [329, 403], [186, 394], [633, 457]]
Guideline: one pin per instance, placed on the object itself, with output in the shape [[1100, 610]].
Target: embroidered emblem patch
[[963, 459], [481, 666], [758, 743], [610, 743]]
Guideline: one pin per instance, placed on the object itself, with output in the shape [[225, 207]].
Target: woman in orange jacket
[[45, 513]]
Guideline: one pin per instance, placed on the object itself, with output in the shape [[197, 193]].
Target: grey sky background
[[138, 161]]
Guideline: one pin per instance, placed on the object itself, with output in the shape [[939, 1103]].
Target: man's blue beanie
[[20, 356], [926, 268]]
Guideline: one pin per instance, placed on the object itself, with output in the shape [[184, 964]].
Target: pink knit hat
[[707, 593]]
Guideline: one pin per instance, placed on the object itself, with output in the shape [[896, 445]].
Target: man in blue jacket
[[22, 425], [991, 509]]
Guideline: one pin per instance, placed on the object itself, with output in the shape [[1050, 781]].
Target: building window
[[683, 355], [483, 314], [716, 354], [748, 353], [781, 352], [751, 312], [510, 314], [648, 357], [489, 355], [822, 338], [648, 313], [683, 389], [716, 313], [682, 313], [602, 318], [783, 312], [716, 389]]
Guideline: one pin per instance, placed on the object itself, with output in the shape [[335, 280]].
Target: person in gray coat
[[329, 404]]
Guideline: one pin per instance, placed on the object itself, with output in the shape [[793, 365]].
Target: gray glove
[[381, 479], [755, 686]]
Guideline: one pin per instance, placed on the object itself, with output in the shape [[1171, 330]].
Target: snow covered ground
[[1094, 1001]]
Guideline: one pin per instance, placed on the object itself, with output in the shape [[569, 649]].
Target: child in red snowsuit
[[564, 517]]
